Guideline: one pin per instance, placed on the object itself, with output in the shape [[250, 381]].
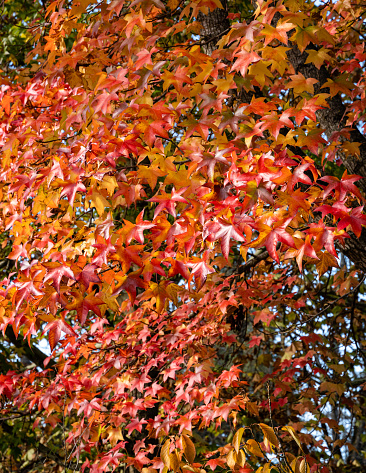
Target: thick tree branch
[[214, 25], [33, 354], [253, 261], [45, 451], [332, 119]]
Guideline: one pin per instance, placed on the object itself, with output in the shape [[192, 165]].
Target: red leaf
[[341, 187], [225, 231], [199, 273], [88, 275], [71, 189], [215, 462], [137, 232], [56, 272], [269, 237], [304, 250], [244, 59], [255, 341], [55, 329], [135, 424], [167, 201], [102, 102]]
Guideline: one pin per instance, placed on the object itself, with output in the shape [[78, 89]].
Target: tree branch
[[33, 354], [253, 261]]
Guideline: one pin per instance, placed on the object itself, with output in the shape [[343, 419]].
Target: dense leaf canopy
[[182, 231]]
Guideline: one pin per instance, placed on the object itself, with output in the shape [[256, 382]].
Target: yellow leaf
[[114, 434], [333, 388], [339, 84], [73, 77], [178, 178], [206, 67], [188, 448], [172, 290], [174, 461], [172, 4], [163, 292], [351, 149], [304, 468], [101, 79], [151, 174], [253, 447], [244, 252], [317, 57], [299, 84], [237, 439], [241, 458], [260, 72], [269, 434], [95, 434], [99, 202], [195, 90], [303, 36], [225, 84], [325, 261], [231, 459], [148, 470], [291, 431], [164, 455], [252, 408], [295, 466], [93, 74], [277, 56], [267, 468], [109, 183], [109, 300], [289, 457]]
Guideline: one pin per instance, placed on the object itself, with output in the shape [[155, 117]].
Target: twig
[[329, 304], [359, 349], [172, 141], [63, 426], [182, 162], [253, 261]]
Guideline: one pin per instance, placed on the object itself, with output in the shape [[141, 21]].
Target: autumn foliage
[[175, 221]]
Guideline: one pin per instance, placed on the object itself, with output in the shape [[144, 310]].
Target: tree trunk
[[333, 119], [214, 26]]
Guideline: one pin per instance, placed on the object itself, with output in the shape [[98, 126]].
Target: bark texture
[[332, 119], [214, 26], [31, 353]]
